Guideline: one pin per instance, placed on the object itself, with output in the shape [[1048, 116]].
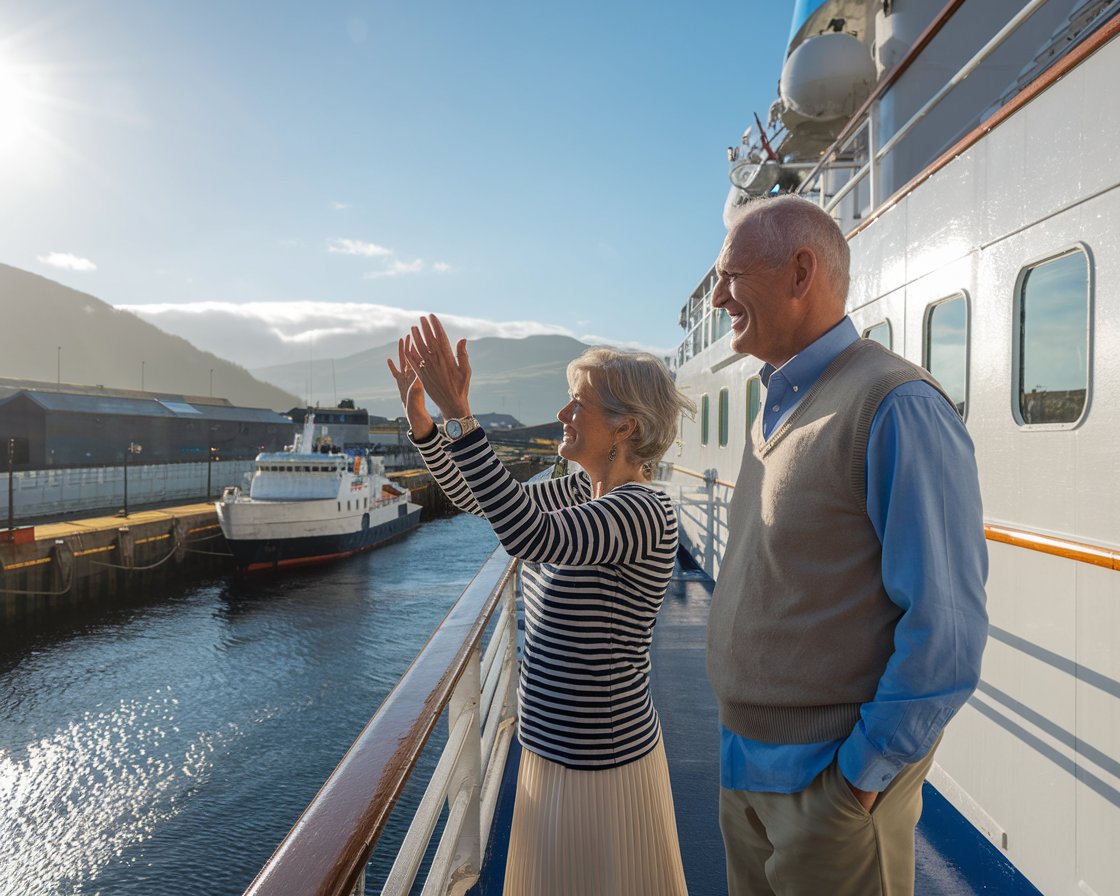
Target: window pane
[[704, 420], [754, 401], [723, 414], [1053, 360], [946, 349], [880, 333]]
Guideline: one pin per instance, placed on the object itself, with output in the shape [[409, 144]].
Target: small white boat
[[312, 504]]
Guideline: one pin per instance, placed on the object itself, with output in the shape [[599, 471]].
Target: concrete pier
[[85, 559]]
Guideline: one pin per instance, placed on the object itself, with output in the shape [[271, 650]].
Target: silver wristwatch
[[457, 427]]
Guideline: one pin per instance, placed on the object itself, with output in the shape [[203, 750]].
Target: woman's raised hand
[[446, 375], [411, 390]]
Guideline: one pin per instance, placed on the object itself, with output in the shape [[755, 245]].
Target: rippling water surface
[[167, 745]]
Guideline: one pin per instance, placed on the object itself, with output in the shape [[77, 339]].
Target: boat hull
[[255, 555]]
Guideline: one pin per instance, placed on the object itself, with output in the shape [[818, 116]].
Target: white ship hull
[[1032, 759]]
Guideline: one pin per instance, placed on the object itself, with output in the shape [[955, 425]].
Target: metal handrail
[[876, 155], [885, 83], [328, 848]]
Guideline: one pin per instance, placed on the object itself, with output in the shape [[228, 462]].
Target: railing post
[[467, 779], [873, 175], [710, 476]]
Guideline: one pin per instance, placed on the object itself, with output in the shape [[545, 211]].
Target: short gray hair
[[786, 223], [638, 385]]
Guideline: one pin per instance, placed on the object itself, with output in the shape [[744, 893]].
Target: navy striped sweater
[[597, 576]]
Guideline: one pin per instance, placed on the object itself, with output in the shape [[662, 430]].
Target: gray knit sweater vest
[[800, 628]]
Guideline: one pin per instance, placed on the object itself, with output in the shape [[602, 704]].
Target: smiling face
[[756, 297], [588, 431]]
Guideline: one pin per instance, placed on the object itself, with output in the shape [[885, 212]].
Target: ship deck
[[952, 857]]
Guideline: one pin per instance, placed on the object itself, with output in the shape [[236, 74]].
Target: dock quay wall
[[55, 491], [71, 563]]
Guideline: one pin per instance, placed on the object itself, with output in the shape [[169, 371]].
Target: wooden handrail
[[331, 842], [688, 472], [1094, 555]]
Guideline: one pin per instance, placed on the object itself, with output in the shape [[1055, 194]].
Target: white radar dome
[[828, 76]]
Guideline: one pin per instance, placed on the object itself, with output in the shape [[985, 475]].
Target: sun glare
[[14, 110], [20, 106]]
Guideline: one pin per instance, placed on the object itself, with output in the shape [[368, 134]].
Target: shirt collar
[[804, 368]]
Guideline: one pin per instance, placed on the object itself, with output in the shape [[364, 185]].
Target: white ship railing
[[471, 676], [866, 122]]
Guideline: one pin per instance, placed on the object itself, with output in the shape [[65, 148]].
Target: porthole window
[[754, 402], [1052, 341], [724, 410], [945, 348], [703, 419], [880, 333]]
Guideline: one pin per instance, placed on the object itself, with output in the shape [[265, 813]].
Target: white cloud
[[441, 266], [339, 206], [260, 334], [659, 350], [396, 268], [67, 261], [344, 246]]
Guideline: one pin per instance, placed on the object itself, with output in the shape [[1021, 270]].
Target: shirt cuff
[[433, 438], [472, 438], [863, 765]]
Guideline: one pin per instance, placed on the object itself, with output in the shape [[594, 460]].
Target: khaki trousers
[[821, 841]]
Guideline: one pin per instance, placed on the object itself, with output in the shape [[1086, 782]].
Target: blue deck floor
[[953, 859]]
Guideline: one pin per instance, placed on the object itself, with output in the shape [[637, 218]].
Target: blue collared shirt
[[923, 500]]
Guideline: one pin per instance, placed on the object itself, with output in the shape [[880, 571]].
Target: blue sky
[[286, 173]]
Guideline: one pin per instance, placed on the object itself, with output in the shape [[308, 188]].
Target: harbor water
[[167, 743]]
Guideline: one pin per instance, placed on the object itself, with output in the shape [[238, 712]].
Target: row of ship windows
[[1051, 338], [358, 505]]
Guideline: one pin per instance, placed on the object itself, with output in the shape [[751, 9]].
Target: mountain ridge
[[525, 377], [53, 333]]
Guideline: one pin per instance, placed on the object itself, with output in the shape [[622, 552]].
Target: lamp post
[[142, 363], [132, 448], [11, 489], [211, 382], [58, 367], [210, 458]]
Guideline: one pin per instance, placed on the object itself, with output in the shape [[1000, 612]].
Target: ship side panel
[[1032, 757]]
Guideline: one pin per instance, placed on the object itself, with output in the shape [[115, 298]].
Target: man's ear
[[804, 267]]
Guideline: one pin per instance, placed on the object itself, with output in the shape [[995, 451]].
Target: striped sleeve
[[549, 494], [617, 528]]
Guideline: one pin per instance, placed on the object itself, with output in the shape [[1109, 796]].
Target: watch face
[[454, 429]]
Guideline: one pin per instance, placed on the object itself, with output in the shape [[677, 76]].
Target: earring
[[612, 454]]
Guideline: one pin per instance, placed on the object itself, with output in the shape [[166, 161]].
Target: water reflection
[[168, 744]]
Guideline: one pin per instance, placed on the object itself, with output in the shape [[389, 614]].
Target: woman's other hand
[[412, 392], [446, 374]]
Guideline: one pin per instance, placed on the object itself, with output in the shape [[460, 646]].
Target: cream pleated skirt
[[594, 833]]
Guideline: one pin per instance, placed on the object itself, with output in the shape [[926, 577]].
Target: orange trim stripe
[[1059, 547]]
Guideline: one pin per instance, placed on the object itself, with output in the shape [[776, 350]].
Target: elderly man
[[848, 621]]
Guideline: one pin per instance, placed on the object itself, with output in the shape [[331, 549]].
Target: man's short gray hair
[[638, 385], [786, 223]]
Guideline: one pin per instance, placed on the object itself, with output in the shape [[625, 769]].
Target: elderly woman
[[593, 812]]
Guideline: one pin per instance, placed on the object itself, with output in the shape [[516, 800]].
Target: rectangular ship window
[[1052, 341]]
